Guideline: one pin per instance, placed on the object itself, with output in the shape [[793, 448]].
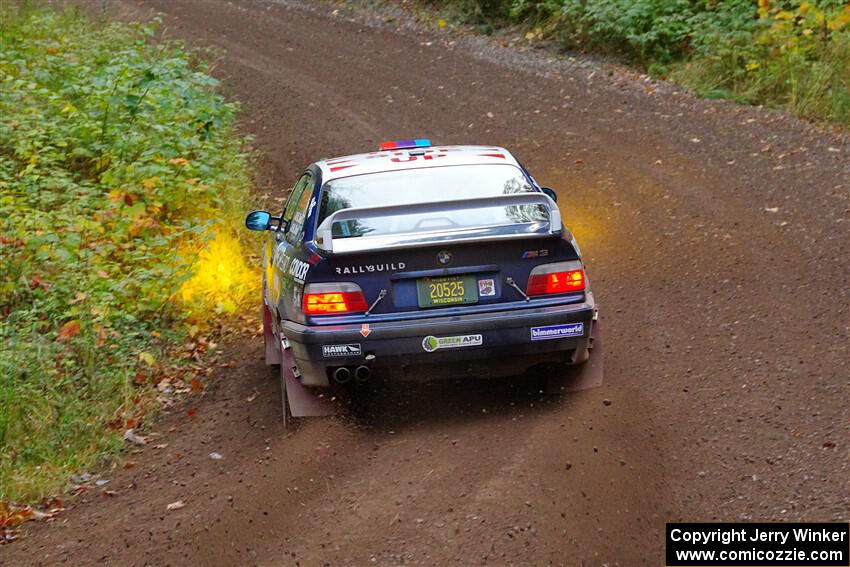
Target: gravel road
[[717, 239]]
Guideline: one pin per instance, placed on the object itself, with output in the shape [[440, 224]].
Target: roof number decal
[[424, 154]]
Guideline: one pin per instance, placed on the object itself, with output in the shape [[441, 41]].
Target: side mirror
[[550, 193], [258, 220]]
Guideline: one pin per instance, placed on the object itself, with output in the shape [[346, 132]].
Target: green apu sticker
[[431, 343]]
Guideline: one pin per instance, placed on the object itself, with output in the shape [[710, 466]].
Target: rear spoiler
[[325, 241]]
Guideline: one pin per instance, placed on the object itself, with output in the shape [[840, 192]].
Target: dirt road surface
[[717, 240]]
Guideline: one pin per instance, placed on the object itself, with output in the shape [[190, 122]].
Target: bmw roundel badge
[[444, 257]]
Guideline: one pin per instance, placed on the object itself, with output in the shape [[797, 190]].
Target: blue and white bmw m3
[[420, 261]]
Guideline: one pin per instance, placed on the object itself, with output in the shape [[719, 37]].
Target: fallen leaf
[[80, 296], [139, 378], [101, 335], [11, 516], [147, 358], [197, 385], [37, 282], [131, 437], [52, 504], [191, 412], [81, 478], [39, 515], [68, 331], [441, 23], [8, 535], [175, 505]]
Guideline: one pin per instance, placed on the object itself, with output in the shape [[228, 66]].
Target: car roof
[[413, 158]]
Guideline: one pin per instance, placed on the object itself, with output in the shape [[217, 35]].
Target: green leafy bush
[[788, 54], [647, 30], [777, 52], [117, 162]]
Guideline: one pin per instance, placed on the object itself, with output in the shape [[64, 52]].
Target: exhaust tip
[[342, 375], [362, 373]]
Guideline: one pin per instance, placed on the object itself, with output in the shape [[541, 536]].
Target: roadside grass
[[812, 82], [793, 54], [119, 169]]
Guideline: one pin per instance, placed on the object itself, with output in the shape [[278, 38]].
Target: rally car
[[419, 261]]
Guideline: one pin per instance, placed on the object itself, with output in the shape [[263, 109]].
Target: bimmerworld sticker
[[430, 344], [331, 351], [557, 331]]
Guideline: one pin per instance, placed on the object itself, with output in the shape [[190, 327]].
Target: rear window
[[427, 185]]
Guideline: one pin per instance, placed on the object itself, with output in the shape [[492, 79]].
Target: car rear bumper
[[507, 342]]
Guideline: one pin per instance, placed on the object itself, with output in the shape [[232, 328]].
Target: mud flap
[[298, 400], [272, 346]]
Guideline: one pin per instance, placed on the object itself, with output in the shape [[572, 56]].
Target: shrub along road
[[716, 236]]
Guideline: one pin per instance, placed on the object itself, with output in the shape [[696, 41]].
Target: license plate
[[447, 290]]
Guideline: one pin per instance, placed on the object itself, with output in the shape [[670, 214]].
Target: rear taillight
[[561, 277], [333, 299]]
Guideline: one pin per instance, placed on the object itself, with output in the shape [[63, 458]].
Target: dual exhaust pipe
[[343, 374]]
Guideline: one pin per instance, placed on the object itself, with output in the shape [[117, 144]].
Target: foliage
[[791, 54], [776, 52], [117, 162]]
